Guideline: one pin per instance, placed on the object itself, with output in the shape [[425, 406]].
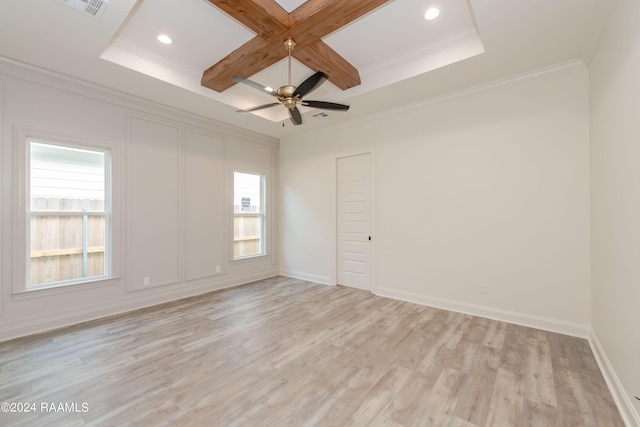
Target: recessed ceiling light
[[432, 13], [165, 39]]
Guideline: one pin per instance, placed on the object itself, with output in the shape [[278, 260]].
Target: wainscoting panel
[[154, 203], [205, 210]]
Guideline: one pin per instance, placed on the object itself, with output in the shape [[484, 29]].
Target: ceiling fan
[[292, 96]]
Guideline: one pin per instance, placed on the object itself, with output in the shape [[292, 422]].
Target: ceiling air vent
[[93, 8]]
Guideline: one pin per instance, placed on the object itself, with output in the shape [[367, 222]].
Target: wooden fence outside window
[[66, 243]]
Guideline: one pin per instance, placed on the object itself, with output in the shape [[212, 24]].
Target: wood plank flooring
[[285, 352]]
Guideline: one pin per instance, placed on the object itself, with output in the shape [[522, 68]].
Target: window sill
[[57, 289], [249, 258]]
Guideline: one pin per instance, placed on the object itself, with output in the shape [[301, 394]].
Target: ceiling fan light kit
[[291, 96]]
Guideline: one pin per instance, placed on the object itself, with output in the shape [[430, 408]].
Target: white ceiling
[[401, 57]]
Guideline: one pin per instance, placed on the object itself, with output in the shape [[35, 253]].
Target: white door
[[354, 205]]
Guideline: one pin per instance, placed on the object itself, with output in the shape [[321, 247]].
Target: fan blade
[[325, 105], [259, 107], [310, 84], [296, 118], [254, 85]]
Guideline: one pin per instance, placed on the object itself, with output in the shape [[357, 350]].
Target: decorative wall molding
[[18, 70], [194, 199], [177, 146], [24, 314]]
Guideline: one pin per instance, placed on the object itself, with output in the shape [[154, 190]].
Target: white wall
[[615, 176], [491, 186], [172, 198]]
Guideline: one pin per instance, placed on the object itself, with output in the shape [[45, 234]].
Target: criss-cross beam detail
[[273, 25]]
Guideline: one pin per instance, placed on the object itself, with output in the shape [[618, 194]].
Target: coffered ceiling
[[400, 57]]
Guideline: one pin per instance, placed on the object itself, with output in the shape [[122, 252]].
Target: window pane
[[246, 192], [68, 220], [248, 215], [66, 179], [61, 250]]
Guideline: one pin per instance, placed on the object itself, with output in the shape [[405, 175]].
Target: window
[[248, 214], [68, 214]]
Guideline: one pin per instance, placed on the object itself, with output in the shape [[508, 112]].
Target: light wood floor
[[284, 352]]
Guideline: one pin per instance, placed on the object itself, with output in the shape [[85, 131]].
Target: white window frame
[[262, 214], [22, 211]]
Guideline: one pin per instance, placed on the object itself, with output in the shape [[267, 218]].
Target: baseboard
[[323, 280], [538, 322], [623, 400], [131, 301]]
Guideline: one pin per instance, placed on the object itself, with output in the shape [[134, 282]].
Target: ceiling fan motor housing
[[285, 95]]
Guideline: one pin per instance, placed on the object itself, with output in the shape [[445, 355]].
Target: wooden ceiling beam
[[250, 58], [264, 17], [315, 19], [306, 25], [320, 57]]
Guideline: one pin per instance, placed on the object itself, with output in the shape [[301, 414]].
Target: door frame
[[334, 211]]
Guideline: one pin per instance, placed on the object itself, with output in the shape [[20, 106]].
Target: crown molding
[[543, 73], [34, 74]]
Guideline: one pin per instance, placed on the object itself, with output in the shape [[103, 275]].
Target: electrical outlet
[[217, 269], [146, 281], [483, 288]]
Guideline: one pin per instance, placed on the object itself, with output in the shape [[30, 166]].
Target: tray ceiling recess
[[361, 46]]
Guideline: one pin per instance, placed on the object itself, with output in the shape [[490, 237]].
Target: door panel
[[354, 221]]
